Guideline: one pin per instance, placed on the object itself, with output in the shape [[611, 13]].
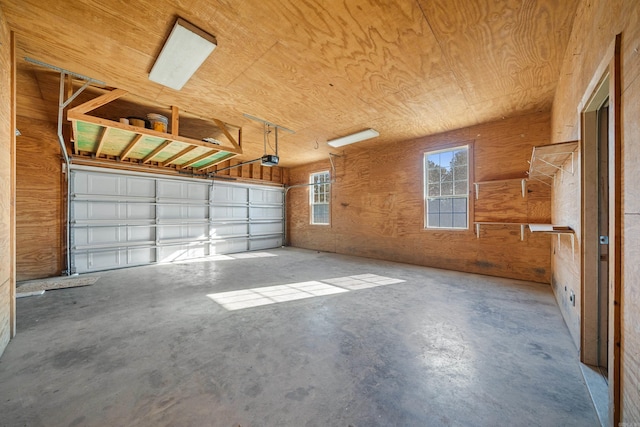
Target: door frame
[[608, 73]]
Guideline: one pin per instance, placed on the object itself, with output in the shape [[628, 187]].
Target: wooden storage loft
[[99, 138]]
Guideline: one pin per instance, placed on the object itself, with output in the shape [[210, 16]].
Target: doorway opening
[[595, 159], [601, 237]]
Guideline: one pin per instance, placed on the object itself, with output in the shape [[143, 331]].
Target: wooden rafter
[[197, 159], [98, 102], [101, 139], [215, 162], [75, 138], [178, 155], [226, 132], [126, 151], [175, 120], [157, 151]]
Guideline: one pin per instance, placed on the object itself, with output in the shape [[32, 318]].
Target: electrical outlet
[[572, 298]]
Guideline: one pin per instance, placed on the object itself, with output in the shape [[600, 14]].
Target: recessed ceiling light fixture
[[183, 53], [353, 138]]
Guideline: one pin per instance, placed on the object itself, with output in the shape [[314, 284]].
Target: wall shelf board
[[523, 184], [558, 230], [547, 160], [551, 228]]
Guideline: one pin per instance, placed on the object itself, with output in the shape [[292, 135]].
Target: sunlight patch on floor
[[255, 297]]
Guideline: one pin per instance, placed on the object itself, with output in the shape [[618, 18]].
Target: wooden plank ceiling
[[322, 68]]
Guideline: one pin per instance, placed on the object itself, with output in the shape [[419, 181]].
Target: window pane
[[446, 189], [433, 175], [433, 220], [321, 214], [460, 205], [446, 158], [433, 160], [461, 157], [460, 188], [460, 173], [434, 206], [446, 220], [434, 190], [319, 198], [446, 205], [460, 220]]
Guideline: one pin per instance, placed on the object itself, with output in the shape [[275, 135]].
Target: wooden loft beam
[[101, 139], [98, 102], [157, 151], [230, 137], [197, 159], [215, 162], [74, 125], [126, 151], [175, 120], [178, 155]]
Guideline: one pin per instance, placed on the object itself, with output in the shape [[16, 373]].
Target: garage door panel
[[229, 246], [141, 256], [121, 219], [106, 260], [100, 184], [105, 210], [266, 228], [140, 187], [266, 212], [230, 194], [182, 212], [113, 236], [140, 211], [183, 252], [259, 195], [229, 230], [191, 231], [140, 234], [265, 243], [229, 212], [182, 190]]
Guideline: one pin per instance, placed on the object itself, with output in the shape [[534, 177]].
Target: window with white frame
[[446, 188], [319, 196]]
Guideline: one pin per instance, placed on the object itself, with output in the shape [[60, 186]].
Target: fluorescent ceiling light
[[183, 53], [356, 137]]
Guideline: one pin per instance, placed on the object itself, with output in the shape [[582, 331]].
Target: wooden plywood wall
[[377, 204], [39, 201], [595, 26], [7, 278]]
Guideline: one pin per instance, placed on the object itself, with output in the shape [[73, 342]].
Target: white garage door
[[124, 219]]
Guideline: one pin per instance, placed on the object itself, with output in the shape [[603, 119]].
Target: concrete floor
[[147, 347]]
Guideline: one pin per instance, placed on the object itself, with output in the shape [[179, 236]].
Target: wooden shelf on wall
[[534, 228], [551, 228], [98, 137], [519, 224], [558, 230], [547, 160], [522, 181]]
